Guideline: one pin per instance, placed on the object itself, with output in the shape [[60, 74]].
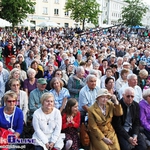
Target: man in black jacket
[[127, 126]]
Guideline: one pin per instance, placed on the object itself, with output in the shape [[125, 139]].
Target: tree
[[15, 11], [83, 10], [133, 13]]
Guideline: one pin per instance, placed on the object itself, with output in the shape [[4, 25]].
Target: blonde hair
[[10, 94], [45, 96], [13, 71]]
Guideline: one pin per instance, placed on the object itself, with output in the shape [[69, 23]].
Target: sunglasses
[[15, 84], [58, 73], [128, 96], [11, 101]]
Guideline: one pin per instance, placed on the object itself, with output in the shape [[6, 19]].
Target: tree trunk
[[83, 23]]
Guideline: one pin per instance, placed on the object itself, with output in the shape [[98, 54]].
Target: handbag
[[84, 137]]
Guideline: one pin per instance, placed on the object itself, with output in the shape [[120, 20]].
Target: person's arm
[[32, 104], [143, 116]]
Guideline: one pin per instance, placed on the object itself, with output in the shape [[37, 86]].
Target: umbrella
[[4, 23], [26, 23], [89, 25], [48, 24]]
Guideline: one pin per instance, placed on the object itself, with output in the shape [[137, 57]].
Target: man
[[104, 66], [35, 95], [87, 95], [132, 82], [127, 126], [142, 65], [4, 76]]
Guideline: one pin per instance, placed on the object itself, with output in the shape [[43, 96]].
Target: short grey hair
[[92, 71], [30, 70], [79, 69], [119, 58], [128, 89], [1, 64], [90, 76], [146, 93], [130, 76]]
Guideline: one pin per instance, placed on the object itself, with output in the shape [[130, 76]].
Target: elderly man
[[35, 95], [127, 126], [87, 95], [132, 82], [4, 75]]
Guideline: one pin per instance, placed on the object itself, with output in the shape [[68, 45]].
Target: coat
[[100, 126]]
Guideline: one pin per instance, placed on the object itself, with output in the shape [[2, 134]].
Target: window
[[66, 25], [66, 13], [45, 10], [56, 11], [57, 1], [45, 0]]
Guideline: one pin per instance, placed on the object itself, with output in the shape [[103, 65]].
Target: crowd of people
[[57, 78]]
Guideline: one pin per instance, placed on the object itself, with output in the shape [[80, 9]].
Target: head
[[15, 73], [47, 101], [17, 65], [12, 59], [56, 83], [34, 65], [109, 83], [96, 66], [71, 106], [1, 66], [128, 95], [132, 80], [146, 95], [41, 84], [70, 68], [58, 73], [102, 97], [31, 73], [10, 99], [114, 67], [50, 67], [14, 85], [20, 58], [126, 65], [109, 72], [124, 73], [91, 81], [142, 65], [143, 74], [105, 63], [80, 72], [119, 60]]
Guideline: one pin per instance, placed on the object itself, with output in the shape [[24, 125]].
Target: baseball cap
[[41, 81]]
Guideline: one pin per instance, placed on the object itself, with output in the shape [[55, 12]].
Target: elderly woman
[[20, 59], [102, 134], [143, 74], [11, 116], [145, 112], [60, 93], [31, 82], [76, 82], [14, 74], [22, 98], [47, 123]]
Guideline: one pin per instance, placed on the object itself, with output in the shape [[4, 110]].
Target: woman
[[132, 62], [122, 80], [101, 132], [39, 73], [76, 82], [47, 124], [21, 61], [11, 116], [144, 112], [31, 82], [23, 74], [70, 124], [22, 98], [60, 93], [14, 74]]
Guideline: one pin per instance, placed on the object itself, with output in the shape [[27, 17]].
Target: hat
[[41, 81], [143, 63], [112, 56], [103, 92], [125, 63], [66, 58]]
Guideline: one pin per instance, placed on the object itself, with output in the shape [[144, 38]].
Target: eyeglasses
[[11, 101], [58, 73], [17, 66], [15, 84], [128, 96]]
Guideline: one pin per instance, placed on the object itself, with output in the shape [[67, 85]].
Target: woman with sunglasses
[[11, 116], [22, 98]]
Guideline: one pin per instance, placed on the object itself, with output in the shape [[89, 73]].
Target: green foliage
[[82, 10], [133, 13], [15, 11]]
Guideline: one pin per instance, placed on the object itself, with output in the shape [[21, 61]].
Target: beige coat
[[100, 126]]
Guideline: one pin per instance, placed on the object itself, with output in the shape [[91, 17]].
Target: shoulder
[[22, 92], [37, 112], [18, 110]]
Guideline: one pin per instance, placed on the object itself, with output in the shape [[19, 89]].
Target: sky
[[147, 1]]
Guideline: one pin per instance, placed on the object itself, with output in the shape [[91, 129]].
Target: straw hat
[[103, 92]]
